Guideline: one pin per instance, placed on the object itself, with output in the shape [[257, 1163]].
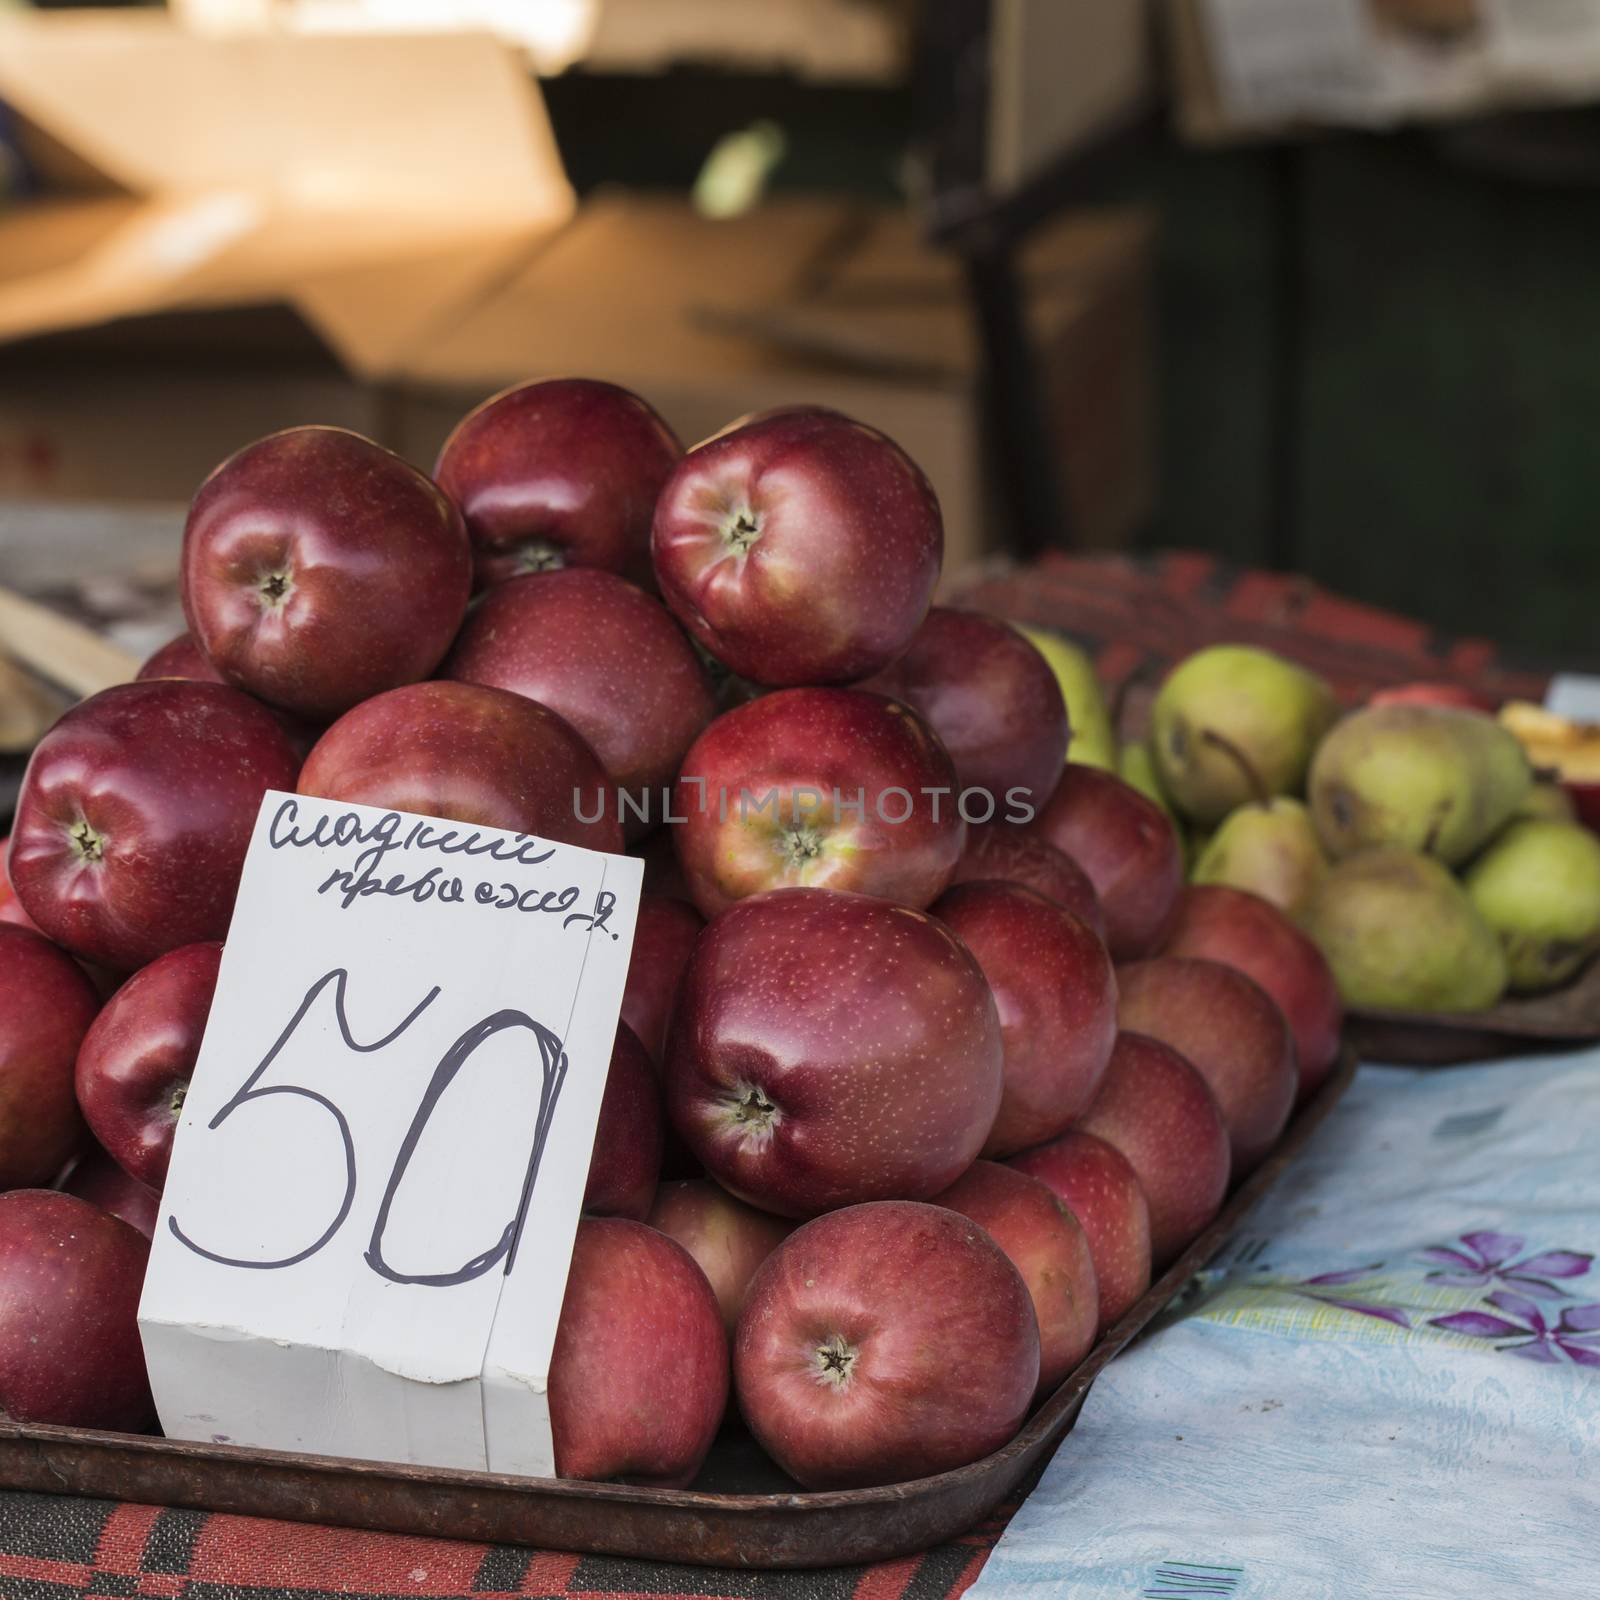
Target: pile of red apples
[[928, 1062]]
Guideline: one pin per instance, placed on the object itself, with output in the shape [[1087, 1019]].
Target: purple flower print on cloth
[[1314, 1289], [1486, 1258], [1576, 1335]]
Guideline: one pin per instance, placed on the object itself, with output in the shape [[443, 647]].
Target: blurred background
[[1306, 284]]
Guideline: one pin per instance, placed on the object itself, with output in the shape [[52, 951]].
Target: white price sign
[[377, 1175]]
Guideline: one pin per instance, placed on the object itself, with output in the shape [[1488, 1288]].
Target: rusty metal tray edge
[[789, 1530]]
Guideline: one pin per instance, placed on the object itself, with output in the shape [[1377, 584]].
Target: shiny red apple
[[1242, 930], [663, 939], [469, 754], [46, 1007], [320, 569], [606, 657], [135, 815], [727, 1238], [1097, 1184], [821, 789], [1128, 847], [1057, 998], [885, 1342], [639, 1374], [830, 1048], [626, 1164], [180, 658], [799, 548], [1161, 1114], [10, 907], [992, 699], [95, 1177], [1047, 1245], [136, 1062], [563, 473], [1004, 852], [1232, 1031], [70, 1278]]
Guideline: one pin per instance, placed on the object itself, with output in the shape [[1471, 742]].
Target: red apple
[[822, 789], [95, 1177], [663, 939], [134, 1067], [1047, 1245], [1161, 1114], [626, 1163], [180, 658], [830, 1048], [319, 570], [993, 700], [882, 1343], [46, 1006], [1003, 852], [663, 876], [799, 548], [639, 1374], [607, 658], [1098, 1186], [1433, 694], [1244, 931], [10, 907], [70, 1278], [136, 813], [1057, 998], [484, 757], [727, 1238], [1232, 1031], [563, 473], [1127, 845]]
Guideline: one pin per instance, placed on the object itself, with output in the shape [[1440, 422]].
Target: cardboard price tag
[[380, 1163]]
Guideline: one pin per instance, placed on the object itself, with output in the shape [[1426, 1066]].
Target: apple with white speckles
[[821, 789], [1005, 852], [727, 1238], [829, 1048], [799, 547]]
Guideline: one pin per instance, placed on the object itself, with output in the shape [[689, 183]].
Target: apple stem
[[749, 1110], [836, 1360], [743, 530], [1258, 788], [799, 844], [179, 1095], [275, 589], [539, 555], [89, 844]]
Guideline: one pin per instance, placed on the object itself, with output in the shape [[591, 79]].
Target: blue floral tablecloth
[[1388, 1387]]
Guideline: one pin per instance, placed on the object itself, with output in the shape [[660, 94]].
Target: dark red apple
[[468, 754], [95, 1177], [1057, 998], [663, 939], [663, 876], [135, 815], [1244, 931], [885, 1342], [135, 1064], [1047, 1245], [1161, 1114], [180, 658], [829, 1048], [70, 1278], [1098, 1186], [626, 1163], [727, 1238], [46, 1006], [993, 700], [319, 569], [1003, 852], [639, 1374], [821, 789], [1232, 1031], [563, 473], [1127, 845], [607, 658], [10, 907], [799, 548]]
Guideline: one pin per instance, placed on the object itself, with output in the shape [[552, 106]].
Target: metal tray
[[741, 1513], [1564, 1017]]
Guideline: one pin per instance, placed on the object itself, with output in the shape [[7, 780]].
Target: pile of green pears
[[1411, 841]]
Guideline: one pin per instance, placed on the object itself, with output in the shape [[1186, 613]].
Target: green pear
[[1270, 849], [1426, 777], [1229, 702], [1549, 802], [1538, 888], [1093, 743], [1401, 934]]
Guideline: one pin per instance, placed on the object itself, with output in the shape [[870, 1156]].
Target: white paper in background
[[379, 1072], [1574, 696], [1277, 58]]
